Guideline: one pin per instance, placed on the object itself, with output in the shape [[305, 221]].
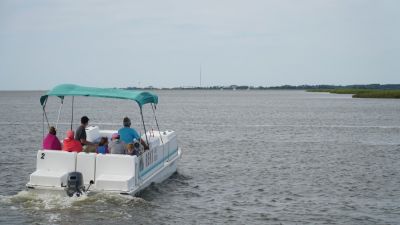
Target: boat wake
[[40, 201], [55, 207], [58, 208], [52, 200]]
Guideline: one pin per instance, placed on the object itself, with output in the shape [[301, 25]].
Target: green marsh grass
[[362, 93]]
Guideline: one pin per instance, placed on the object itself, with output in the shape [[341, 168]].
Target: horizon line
[[233, 86]]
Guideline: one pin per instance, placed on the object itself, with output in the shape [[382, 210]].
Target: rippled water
[[250, 157]]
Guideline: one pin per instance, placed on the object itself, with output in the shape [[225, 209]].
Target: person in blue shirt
[[103, 146], [128, 134]]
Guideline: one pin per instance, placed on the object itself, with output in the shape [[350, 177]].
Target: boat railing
[[149, 161], [154, 159]]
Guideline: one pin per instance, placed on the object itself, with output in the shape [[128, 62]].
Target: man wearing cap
[[128, 134], [116, 146]]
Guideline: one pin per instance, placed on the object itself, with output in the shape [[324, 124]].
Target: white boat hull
[[109, 173], [159, 176]]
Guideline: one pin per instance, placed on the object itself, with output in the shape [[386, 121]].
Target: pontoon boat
[[75, 173]]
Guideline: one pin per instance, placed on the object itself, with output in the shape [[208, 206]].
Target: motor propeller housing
[[75, 184]]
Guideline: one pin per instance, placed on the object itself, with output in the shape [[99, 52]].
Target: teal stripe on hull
[[150, 168]]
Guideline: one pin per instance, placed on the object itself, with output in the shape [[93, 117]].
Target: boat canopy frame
[[62, 90], [141, 97]]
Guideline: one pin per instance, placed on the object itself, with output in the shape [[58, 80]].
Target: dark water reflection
[[250, 157]]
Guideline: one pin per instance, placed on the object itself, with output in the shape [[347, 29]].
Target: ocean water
[[249, 157]]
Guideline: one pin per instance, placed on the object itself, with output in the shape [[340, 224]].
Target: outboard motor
[[74, 184]]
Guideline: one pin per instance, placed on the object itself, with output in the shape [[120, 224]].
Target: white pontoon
[[77, 173]]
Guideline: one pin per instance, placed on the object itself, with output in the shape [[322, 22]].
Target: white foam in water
[[113, 197], [54, 217], [49, 207], [40, 201], [4, 199], [51, 200]]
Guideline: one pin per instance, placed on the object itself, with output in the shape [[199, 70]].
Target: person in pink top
[[51, 142], [70, 144]]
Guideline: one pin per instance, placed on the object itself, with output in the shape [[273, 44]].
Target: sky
[[164, 43]]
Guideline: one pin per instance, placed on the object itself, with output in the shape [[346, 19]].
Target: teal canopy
[[141, 97]]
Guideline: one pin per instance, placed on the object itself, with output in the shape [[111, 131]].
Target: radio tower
[[200, 75]]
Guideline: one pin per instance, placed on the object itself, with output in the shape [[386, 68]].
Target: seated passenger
[[130, 149], [70, 144], [116, 146], [103, 146], [128, 134], [80, 135], [51, 142], [134, 148]]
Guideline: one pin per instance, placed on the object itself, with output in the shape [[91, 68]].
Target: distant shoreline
[[357, 91], [282, 87]]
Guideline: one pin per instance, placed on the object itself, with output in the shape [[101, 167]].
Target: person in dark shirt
[[80, 135]]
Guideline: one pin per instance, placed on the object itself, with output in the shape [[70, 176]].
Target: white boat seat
[[85, 164], [48, 178], [52, 168], [115, 182], [115, 172]]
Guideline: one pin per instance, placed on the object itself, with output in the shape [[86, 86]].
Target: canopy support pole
[[72, 113], [59, 112], [144, 127], [159, 132], [45, 116], [43, 123], [155, 118]]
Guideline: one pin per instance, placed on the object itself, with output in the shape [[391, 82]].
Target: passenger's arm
[[146, 147], [85, 142]]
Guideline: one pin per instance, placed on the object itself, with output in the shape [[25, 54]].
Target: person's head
[[126, 122], [136, 144], [115, 136], [130, 148], [52, 130], [70, 134], [103, 141], [84, 120]]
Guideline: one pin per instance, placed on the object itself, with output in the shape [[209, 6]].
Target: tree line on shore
[[282, 87], [357, 90]]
